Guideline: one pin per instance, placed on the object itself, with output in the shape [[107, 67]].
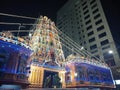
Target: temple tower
[[48, 54]]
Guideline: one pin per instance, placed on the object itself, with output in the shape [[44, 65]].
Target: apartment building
[[84, 21]]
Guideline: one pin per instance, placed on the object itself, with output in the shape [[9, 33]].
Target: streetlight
[[110, 52]]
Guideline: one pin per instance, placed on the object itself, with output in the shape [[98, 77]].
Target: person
[[56, 81], [48, 82]]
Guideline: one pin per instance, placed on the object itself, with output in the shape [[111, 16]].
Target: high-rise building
[[84, 22]]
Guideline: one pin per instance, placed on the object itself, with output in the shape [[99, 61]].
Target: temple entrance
[[51, 79]]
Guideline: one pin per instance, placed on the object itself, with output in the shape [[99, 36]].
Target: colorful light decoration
[[46, 44], [14, 57], [81, 72], [44, 52]]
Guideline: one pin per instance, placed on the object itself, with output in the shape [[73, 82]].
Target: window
[[102, 34], [77, 22], [90, 33], [84, 3], [87, 16], [76, 14], [97, 56], [80, 38], [59, 23], [83, 36], [79, 32], [104, 42], [81, 44], [79, 27], [97, 16], [92, 39], [107, 55], [86, 12], [82, 30], [75, 5], [84, 42], [92, 1], [111, 62], [87, 22], [89, 27], [95, 5], [93, 46], [98, 22], [95, 51], [106, 47], [96, 10], [77, 18], [100, 28], [85, 7]]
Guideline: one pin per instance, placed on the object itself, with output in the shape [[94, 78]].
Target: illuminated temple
[[39, 62], [48, 55]]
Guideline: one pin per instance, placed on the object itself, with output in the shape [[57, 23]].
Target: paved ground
[[59, 89]]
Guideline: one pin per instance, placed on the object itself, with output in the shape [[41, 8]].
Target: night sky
[[32, 8], [112, 13], [29, 8], [35, 8]]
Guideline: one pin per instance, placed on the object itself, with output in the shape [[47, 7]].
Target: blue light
[[3, 46], [91, 73], [9, 45], [10, 48]]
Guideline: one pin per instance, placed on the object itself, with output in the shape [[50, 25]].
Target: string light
[[69, 40]]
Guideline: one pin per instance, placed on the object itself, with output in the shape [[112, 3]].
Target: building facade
[[84, 22]]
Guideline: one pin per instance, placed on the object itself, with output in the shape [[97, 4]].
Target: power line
[[73, 42], [18, 16], [19, 31], [7, 23]]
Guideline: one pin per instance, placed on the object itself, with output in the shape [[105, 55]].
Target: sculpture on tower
[[47, 55], [46, 44]]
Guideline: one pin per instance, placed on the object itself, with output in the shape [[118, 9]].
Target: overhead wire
[[76, 44], [7, 23], [66, 37], [18, 16], [69, 42]]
